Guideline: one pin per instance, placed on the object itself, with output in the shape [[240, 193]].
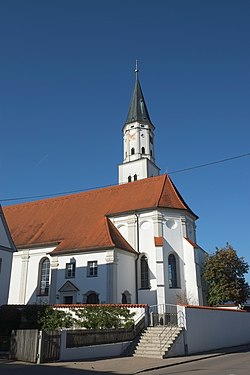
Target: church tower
[[138, 140]]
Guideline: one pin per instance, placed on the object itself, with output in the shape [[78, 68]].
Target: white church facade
[[134, 242], [7, 248]]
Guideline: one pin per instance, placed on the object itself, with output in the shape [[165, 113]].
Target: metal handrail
[[171, 329]]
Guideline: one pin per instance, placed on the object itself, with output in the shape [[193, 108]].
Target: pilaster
[[53, 280], [111, 283], [24, 275]]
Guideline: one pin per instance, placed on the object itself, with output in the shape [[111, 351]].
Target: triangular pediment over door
[[68, 287]]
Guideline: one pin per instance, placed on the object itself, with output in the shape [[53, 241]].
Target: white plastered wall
[[173, 226], [24, 275], [125, 275], [4, 238], [5, 272], [81, 280]]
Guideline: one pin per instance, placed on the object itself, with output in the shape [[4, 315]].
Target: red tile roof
[[192, 243], [78, 222]]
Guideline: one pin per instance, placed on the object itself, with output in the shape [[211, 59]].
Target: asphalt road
[[228, 364], [237, 363]]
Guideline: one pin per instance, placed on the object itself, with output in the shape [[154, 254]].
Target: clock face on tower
[[131, 136]]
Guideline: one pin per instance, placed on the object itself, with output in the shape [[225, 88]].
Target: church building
[[7, 248], [134, 242]]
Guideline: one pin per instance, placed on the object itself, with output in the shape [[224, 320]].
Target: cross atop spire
[[136, 70], [138, 109]]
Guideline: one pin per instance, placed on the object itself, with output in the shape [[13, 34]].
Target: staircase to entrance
[[166, 326]]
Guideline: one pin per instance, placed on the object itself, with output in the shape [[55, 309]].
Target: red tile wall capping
[[62, 306], [78, 222], [212, 308]]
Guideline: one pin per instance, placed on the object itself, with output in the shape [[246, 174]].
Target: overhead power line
[[211, 163], [99, 187]]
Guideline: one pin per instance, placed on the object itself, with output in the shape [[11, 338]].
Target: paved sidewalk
[[117, 365], [136, 365]]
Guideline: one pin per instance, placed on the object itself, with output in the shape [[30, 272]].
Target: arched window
[[143, 150], [129, 178], [172, 271], [151, 153], [144, 272], [126, 297], [132, 151], [92, 298], [44, 272], [135, 177]]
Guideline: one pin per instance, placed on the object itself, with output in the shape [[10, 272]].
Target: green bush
[[52, 319], [101, 317]]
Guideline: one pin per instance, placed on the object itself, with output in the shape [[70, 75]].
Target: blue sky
[[66, 78]]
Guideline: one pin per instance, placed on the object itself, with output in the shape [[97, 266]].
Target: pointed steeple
[[138, 140], [138, 109]]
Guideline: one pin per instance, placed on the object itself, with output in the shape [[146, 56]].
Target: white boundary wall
[[93, 351], [98, 351], [214, 328]]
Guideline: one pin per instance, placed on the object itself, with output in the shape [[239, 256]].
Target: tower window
[[151, 139], [151, 153], [135, 177], [132, 151], [143, 150], [129, 179]]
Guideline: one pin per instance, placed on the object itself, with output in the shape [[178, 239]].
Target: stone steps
[[156, 341]]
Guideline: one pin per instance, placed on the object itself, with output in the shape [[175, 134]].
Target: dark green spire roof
[[137, 109]]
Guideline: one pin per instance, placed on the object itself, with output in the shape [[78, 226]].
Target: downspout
[[137, 257]]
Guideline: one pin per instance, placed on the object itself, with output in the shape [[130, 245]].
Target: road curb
[[178, 363]]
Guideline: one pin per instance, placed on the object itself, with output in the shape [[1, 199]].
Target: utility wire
[[211, 163], [99, 187]]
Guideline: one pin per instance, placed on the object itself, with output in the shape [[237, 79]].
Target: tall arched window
[[144, 272], [132, 151], [135, 177], [44, 273], [143, 150], [172, 271], [129, 178]]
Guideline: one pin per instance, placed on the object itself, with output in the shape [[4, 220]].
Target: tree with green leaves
[[224, 274], [53, 319], [101, 317]]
